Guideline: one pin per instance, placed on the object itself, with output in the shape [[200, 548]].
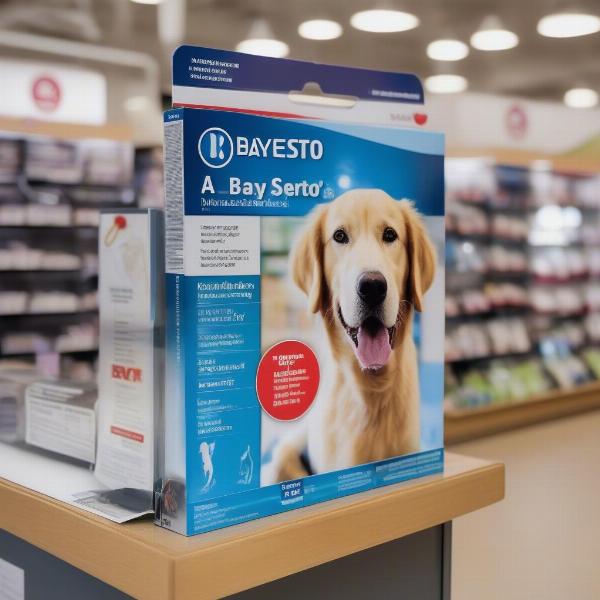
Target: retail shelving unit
[[54, 179], [462, 425], [523, 284]]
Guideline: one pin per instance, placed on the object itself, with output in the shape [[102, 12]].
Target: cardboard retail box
[[60, 416], [304, 258]]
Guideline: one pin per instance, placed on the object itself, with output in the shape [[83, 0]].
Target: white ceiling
[[538, 68]]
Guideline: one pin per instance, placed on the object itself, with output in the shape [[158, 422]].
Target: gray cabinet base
[[413, 567]]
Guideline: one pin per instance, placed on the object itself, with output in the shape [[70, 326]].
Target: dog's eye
[[389, 235], [340, 236]]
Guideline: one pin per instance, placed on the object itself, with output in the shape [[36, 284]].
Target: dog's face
[[363, 261]]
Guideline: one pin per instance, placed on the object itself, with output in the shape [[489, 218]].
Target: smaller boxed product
[[13, 383], [60, 416]]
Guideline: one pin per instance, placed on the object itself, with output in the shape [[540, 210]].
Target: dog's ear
[[307, 262], [421, 255]]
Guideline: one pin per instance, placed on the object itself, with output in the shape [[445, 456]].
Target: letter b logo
[[215, 147]]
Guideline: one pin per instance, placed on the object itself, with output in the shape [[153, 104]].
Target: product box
[[130, 384], [305, 288], [60, 416], [13, 385]]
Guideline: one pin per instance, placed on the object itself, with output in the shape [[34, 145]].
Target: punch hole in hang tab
[[312, 93]]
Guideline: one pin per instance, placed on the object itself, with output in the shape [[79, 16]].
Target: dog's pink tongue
[[373, 351]]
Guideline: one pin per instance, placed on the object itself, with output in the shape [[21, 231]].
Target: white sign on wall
[[51, 92], [484, 121]]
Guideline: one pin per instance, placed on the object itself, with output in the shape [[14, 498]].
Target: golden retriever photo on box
[[363, 264]]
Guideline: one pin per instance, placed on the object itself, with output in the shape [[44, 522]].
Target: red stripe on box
[[264, 113], [130, 435]]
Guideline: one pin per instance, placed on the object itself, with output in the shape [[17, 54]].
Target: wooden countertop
[[146, 561]]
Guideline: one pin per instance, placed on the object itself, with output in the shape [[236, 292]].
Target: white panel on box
[[218, 245]]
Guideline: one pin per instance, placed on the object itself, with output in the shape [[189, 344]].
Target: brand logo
[[46, 93], [215, 147], [127, 373], [516, 121]]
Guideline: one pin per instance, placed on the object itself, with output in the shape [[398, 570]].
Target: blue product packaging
[[305, 287]]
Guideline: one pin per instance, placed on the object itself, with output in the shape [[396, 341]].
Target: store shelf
[[55, 314], [70, 131], [574, 163], [91, 350], [61, 271], [148, 562], [467, 424], [30, 226], [488, 357]]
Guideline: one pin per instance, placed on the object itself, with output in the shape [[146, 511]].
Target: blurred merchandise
[[51, 194], [13, 383], [60, 417], [149, 186], [523, 287]]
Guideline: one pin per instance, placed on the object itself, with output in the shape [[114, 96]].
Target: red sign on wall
[[516, 121], [46, 93]]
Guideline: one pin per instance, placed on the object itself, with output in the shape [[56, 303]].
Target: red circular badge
[[287, 380], [46, 93], [516, 121]]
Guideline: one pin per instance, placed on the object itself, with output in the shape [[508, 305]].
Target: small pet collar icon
[[119, 223]]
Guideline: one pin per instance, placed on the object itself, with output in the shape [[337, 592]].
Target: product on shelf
[[503, 260], [13, 302], [508, 336], [60, 417], [53, 161], [13, 383], [149, 184], [499, 382], [11, 156]]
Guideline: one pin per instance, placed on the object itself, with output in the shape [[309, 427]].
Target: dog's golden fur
[[364, 415]]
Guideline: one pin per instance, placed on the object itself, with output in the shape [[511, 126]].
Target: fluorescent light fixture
[[568, 24], [261, 40], [493, 36], [320, 29], [384, 20], [581, 98], [147, 1], [446, 84], [447, 50], [264, 47]]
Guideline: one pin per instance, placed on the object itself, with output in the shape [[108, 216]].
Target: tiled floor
[[543, 541]]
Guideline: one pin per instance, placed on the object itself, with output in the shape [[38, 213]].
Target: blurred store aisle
[[543, 540]]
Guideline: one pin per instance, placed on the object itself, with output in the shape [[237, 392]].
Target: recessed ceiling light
[[384, 20], [447, 50], [264, 47], [568, 24], [320, 29], [581, 98], [147, 1], [493, 36], [262, 41], [446, 84]]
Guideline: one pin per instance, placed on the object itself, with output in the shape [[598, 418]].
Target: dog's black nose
[[372, 288]]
